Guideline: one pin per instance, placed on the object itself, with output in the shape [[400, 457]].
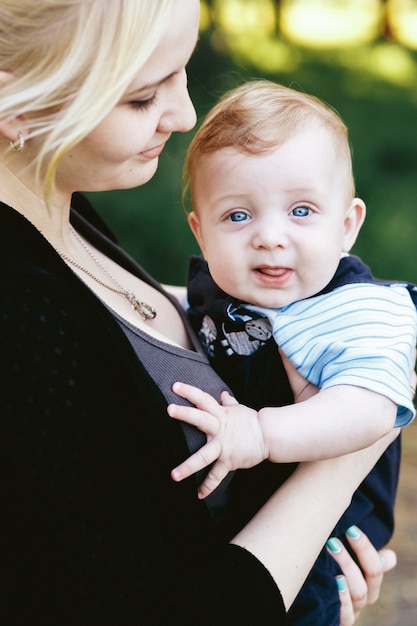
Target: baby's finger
[[213, 479], [199, 460], [227, 400], [199, 398], [196, 417]]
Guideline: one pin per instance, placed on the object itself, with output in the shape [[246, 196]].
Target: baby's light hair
[[71, 61], [256, 118]]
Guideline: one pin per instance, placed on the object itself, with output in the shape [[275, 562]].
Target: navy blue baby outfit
[[249, 363]]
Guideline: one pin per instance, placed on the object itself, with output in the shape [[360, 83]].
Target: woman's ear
[[354, 218], [9, 127], [195, 226]]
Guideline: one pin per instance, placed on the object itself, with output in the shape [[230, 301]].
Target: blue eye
[[238, 216], [301, 211]]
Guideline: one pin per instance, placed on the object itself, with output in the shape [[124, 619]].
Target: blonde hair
[[71, 61], [257, 117]]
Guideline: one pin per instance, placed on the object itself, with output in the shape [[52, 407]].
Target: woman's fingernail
[[334, 545], [382, 558], [353, 532], [341, 583]]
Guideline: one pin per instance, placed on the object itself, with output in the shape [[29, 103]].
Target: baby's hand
[[234, 436]]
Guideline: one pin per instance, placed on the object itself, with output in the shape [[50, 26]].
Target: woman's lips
[[153, 153]]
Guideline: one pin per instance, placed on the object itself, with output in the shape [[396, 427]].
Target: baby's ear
[[195, 226], [354, 218]]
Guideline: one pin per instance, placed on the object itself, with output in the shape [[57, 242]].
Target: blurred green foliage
[[379, 107]]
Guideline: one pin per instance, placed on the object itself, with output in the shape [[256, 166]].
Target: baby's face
[[272, 227]]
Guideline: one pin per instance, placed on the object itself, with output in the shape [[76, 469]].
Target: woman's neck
[[19, 189]]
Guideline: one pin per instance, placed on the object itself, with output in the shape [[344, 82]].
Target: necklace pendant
[[146, 311]]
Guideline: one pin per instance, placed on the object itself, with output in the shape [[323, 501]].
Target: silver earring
[[19, 144]]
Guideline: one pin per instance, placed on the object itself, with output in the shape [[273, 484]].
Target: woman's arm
[[289, 531]]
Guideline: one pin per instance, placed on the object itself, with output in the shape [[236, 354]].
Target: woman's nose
[[180, 115]]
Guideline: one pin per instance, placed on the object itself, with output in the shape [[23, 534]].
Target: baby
[[275, 214]]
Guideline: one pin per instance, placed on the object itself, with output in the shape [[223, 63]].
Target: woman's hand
[[359, 586]]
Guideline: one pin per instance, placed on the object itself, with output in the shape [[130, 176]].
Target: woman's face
[[122, 152]]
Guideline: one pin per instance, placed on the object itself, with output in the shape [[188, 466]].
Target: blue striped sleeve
[[359, 334]]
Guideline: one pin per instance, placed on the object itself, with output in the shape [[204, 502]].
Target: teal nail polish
[[341, 583], [382, 559], [334, 545], [353, 532]]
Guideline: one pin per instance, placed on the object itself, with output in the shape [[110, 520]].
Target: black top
[[94, 531], [166, 364]]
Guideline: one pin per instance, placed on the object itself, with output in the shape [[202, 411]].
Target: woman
[[95, 530]]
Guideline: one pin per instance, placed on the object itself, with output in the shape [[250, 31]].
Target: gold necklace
[[146, 311]]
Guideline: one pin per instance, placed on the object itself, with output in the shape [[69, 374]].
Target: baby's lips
[[272, 271]]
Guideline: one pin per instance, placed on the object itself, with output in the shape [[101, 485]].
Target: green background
[[374, 89]]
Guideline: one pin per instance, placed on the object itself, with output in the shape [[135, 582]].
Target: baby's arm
[[350, 405], [334, 422]]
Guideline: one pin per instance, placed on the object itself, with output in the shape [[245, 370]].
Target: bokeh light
[[330, 23]]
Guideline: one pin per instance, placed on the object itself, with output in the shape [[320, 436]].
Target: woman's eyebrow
[[156, 84], [150, 86]]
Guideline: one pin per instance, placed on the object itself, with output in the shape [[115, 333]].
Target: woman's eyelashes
[[142, 105]]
